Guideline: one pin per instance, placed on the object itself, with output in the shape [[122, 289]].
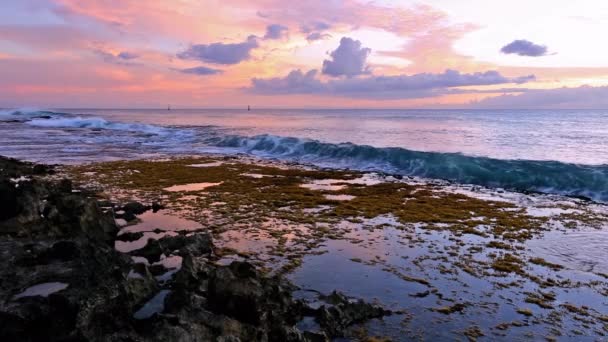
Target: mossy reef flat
[[463, 257]]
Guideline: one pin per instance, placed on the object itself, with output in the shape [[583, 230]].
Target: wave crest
[[97, 123], [522, 175]]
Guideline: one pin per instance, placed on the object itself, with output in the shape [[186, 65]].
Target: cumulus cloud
[[583, 97], [349, 59], [220, 53], [200, 70], [381, 87], [275, 31], [524, 47]]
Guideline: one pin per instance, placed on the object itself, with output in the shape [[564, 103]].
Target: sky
[[304, 54]]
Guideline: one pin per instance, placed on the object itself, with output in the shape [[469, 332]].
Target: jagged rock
[[51, 235], [54, 237], [141, 283], [129, 236], [156, 206], [135, 208], [342, 313], [195, 244], [315, 336]]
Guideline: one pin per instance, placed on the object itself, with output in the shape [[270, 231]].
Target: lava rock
[[156, 206], [342, 313], [135, 208], [195, 244], [129, 236]]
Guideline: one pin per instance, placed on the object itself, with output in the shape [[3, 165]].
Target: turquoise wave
[[588, 181]]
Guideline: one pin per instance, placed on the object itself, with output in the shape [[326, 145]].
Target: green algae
[[304, 218], [508, 263], [446, 310], [525, 312], [282, 188], [543, 262]]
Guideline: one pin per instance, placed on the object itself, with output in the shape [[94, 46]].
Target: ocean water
[[553, 151]]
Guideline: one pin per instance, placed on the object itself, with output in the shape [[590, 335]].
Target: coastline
[[435, 251]]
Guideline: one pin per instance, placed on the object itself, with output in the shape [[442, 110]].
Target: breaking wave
[[22, 114], [589, 181], [97, 123], [522, 175]]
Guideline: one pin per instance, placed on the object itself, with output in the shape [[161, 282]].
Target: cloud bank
[[381, 87], [524, 47], [220, 53], [583, 97], [200, 70]]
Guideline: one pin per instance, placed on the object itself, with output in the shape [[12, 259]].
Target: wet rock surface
[[62, 280], [341, 312]]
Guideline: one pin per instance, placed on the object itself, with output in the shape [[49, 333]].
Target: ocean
[[551, 151]]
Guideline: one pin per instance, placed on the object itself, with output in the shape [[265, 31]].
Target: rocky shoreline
[[61, 278]]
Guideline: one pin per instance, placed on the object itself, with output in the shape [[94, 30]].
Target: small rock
[[129, 236], [135, 208], [156, 206], [343, 312]]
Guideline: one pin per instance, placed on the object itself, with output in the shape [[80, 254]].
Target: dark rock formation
[[130, 236], [196, 244], [62, 280], [341, 313], [49, 237]]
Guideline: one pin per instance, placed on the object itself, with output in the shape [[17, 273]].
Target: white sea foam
[[97, 123]]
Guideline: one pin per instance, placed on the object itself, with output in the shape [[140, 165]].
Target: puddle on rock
[[413, 269], [43, 290], [191, 187], [150, 221], [153, 306], [255, 175], [129, 246], [584, 250], [339, 197], [210, 164]]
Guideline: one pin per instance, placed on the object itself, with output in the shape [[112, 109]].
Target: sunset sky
[[329, 53]]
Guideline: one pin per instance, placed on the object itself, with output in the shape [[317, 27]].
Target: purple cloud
[[315, 26], [275, 31], [317, 36], [122, 58], [127, 55], [382, 87], [349, 59], [200, 70], [314, 30], [296, 82], [524, 48], [220, 53], [582, 97]]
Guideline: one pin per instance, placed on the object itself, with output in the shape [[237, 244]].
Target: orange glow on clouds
[[111, 53]]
